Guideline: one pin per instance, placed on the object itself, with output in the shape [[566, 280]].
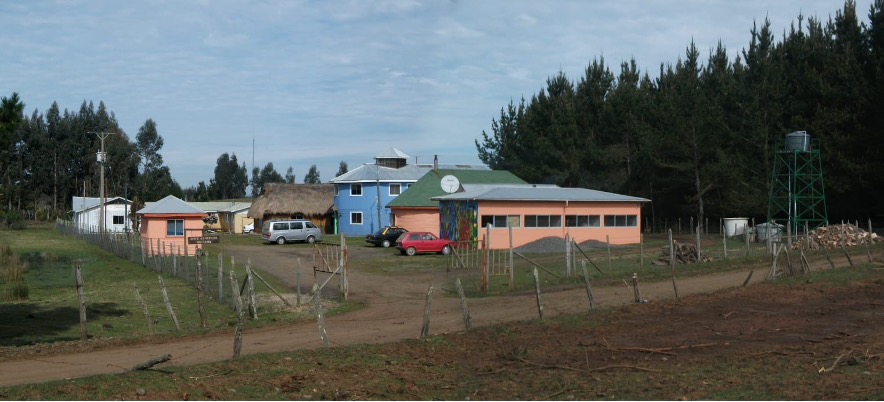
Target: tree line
[[46, 159], [699, 139], [230, 180]]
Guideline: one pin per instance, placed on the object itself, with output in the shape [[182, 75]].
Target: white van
[[282, 232]]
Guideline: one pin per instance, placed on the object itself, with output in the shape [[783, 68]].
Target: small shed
[[86, 214], [166, 225], [315, 202], [771, 230], [225, 216]]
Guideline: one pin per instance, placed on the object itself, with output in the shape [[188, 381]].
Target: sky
[[301, 83]]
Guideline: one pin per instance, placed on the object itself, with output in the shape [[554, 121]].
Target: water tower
[[797, 196]]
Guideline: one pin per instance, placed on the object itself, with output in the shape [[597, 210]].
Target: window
[[355, 218], [119, 220], [395, 188], [621, 220], [297, 225], [309, 225], [583, 221], [543, 221], [356, 189], [175, 227], [280, 226], [336, 189], [501, 221]]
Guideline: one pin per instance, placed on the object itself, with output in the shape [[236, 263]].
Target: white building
[[87, 214]]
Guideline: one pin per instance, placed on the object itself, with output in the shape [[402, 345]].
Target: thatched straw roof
[[292, 199]]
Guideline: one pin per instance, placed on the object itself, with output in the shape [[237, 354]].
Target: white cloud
[[321, 82]]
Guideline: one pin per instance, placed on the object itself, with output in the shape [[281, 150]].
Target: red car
[[412, 243]]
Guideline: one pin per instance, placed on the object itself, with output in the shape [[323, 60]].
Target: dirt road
[[387, 317]]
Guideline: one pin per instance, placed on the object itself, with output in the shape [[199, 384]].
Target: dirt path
[[387, 317]]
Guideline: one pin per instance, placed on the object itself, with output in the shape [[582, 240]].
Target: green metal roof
[[420, 193]]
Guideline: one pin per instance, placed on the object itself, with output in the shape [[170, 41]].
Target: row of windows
[[394, 189], [555, 221], [543, 221]]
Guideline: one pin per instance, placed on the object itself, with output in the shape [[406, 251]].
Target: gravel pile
[[556, 245]]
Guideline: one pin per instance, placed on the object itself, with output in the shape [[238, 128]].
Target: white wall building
[[87, 213]]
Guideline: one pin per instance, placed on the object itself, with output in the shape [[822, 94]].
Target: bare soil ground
[[754, 341]]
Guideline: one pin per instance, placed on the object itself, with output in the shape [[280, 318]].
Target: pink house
[[166, 225], [538, 211]]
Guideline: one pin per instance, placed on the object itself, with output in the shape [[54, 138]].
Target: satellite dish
[[450, 184]]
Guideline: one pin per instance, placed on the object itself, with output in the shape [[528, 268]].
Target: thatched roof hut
[[296, 201]]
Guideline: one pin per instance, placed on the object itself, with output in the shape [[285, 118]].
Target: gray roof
[[370, 172], [392, 153], [221, 206], [534, 192], [170, 205], [80, 204]]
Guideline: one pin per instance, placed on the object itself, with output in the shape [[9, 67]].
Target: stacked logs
[[833, 236], [685, 253]]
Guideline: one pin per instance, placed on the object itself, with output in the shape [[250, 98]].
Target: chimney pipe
[[435, 163]]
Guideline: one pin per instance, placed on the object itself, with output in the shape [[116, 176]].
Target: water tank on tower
[[798, 141], [797, 193]]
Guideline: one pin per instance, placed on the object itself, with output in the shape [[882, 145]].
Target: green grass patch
[[538, 360], [50, 312]]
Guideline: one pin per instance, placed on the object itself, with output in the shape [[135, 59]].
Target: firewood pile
[[685, 253], [831, 237]]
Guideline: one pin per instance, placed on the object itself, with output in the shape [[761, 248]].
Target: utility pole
[[378, 186], [102, 159]]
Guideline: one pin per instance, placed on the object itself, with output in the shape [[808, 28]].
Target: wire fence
[[170, 261]]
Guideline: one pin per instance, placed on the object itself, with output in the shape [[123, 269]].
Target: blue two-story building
[[361, 195]]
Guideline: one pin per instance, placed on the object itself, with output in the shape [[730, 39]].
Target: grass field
[[568, 357], [574, 357], [51, 311]]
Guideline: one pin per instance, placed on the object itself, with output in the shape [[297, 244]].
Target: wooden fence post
[[81, 295], [238, 307], [773, 263], [567, 255], [345, 272], [511, 264], [220, 278], [250, 286], [425, 329], [298, 284], [168, 303], [638, 294], [486, 269], [200, 294], [187, 259], [672, 264], [608, 242], [724, 240], [467, 318], [537, 292], [143, 307], [588, 287], [319, 317]]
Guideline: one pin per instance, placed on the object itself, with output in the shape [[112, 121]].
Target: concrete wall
[[417, 220]]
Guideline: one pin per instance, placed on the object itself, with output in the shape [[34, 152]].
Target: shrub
[[12, 272]]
